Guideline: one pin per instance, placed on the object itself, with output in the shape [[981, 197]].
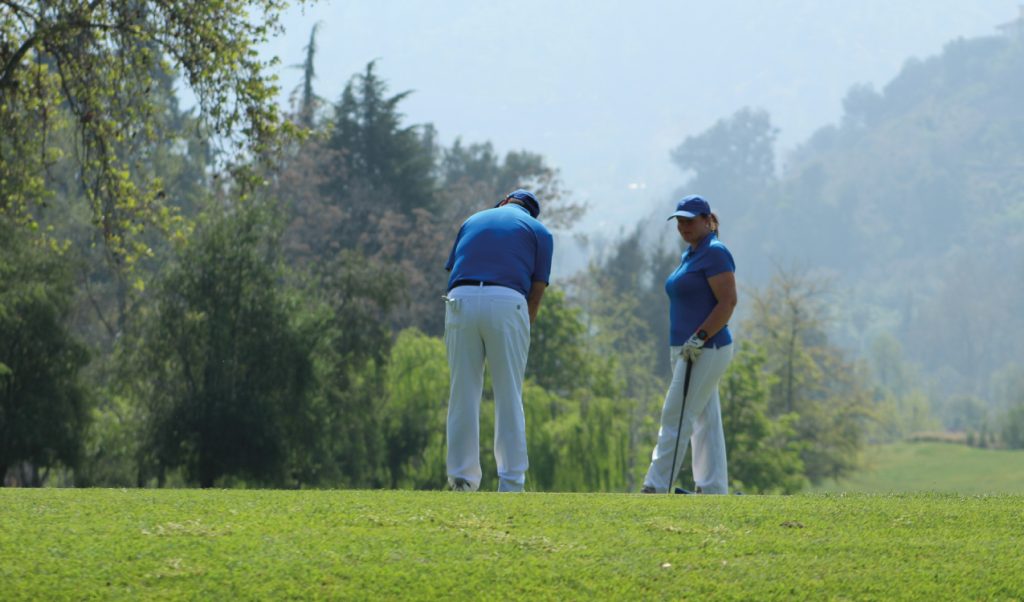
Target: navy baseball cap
[[526, 198], [691, 206]]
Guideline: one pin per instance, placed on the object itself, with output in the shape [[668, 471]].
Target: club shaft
[[682, 409]]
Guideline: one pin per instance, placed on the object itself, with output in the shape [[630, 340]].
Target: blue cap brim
[[685, 214]]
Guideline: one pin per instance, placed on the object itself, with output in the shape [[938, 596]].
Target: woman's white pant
[[702, 424], [490, 322]]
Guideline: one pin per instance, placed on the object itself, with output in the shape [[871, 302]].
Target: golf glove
[[692, 348], [454, 304]]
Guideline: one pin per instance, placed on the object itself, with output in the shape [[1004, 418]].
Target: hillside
[[913, 208], [935, 467]]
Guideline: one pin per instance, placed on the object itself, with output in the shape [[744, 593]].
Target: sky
[[604, 90]]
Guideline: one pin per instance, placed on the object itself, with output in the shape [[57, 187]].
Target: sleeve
[[542, 262], [719, 261], [451, 256]]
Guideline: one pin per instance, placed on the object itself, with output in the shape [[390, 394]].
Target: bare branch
[[11, 66], [18, 8]]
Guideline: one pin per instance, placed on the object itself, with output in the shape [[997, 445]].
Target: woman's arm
[[723, 286]]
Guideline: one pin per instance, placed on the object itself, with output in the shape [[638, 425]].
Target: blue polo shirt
[[690, 296], [504, 245]]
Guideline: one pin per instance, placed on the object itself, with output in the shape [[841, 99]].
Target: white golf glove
[[692, 348], [454, 304]]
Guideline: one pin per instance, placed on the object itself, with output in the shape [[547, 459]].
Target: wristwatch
[[702, 334]]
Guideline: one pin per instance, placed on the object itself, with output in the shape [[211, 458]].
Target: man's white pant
[[702, 424], [490, 322]]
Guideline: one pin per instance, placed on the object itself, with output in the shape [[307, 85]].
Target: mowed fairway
[[224, 545], [935, 467]]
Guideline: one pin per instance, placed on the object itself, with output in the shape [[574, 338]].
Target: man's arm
[[448, 265], [533, 299]]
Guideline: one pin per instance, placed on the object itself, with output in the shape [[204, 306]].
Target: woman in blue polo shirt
[[702, 296]]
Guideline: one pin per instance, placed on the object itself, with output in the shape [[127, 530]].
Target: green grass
[[935, 467], [270, 545]]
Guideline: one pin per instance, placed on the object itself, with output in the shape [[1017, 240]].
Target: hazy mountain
[[604, 89]]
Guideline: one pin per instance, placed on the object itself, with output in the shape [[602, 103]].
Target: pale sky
[[604, 89]]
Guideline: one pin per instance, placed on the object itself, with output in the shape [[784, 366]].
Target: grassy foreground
[[132, 544], [935, 467]]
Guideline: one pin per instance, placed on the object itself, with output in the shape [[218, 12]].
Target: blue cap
[[691, 206], [526, 198]]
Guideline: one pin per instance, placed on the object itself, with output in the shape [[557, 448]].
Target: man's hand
[[692, 348]]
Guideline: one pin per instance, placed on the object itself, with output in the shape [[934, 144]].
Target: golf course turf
[[246, 544]]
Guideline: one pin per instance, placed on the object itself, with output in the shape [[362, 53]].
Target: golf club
[[682, 408]]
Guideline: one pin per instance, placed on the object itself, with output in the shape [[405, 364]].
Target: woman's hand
[[692, 348]]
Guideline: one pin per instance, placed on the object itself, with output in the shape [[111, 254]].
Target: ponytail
[[714, 224]]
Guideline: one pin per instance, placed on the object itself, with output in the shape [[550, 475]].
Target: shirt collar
[[703, 244], [518, 206]]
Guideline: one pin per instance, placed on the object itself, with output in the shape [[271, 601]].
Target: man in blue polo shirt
[[500, 266]]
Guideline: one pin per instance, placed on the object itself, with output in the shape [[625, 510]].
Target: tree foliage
[[414, 414], [352, 354], [44, 409], [764, 451], [364, 180], [223, 368], [1012, 431], [92, 67], [577, 433], [382, 154], [732, 163], [814, 380], [915, 199], [631, 329]]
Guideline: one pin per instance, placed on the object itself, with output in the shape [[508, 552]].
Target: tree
[[474, 173], [814, 380], [578, 421], [385, 164], [107, 295], [901, 406], [369, 182], [223, 369], [44, 411], [788, 315], [92, 65], [306, 102], [353, 350], [561, 358], [633, 330], [964, 413], [1012, 431], [577, 443], [764, 452], [578, 437], [413, 418], [733, 161], [861, 106]]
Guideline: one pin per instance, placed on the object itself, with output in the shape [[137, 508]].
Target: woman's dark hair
[[714, 223]]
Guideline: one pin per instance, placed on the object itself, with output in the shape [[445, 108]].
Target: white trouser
[[702, 424], [490, 322]]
